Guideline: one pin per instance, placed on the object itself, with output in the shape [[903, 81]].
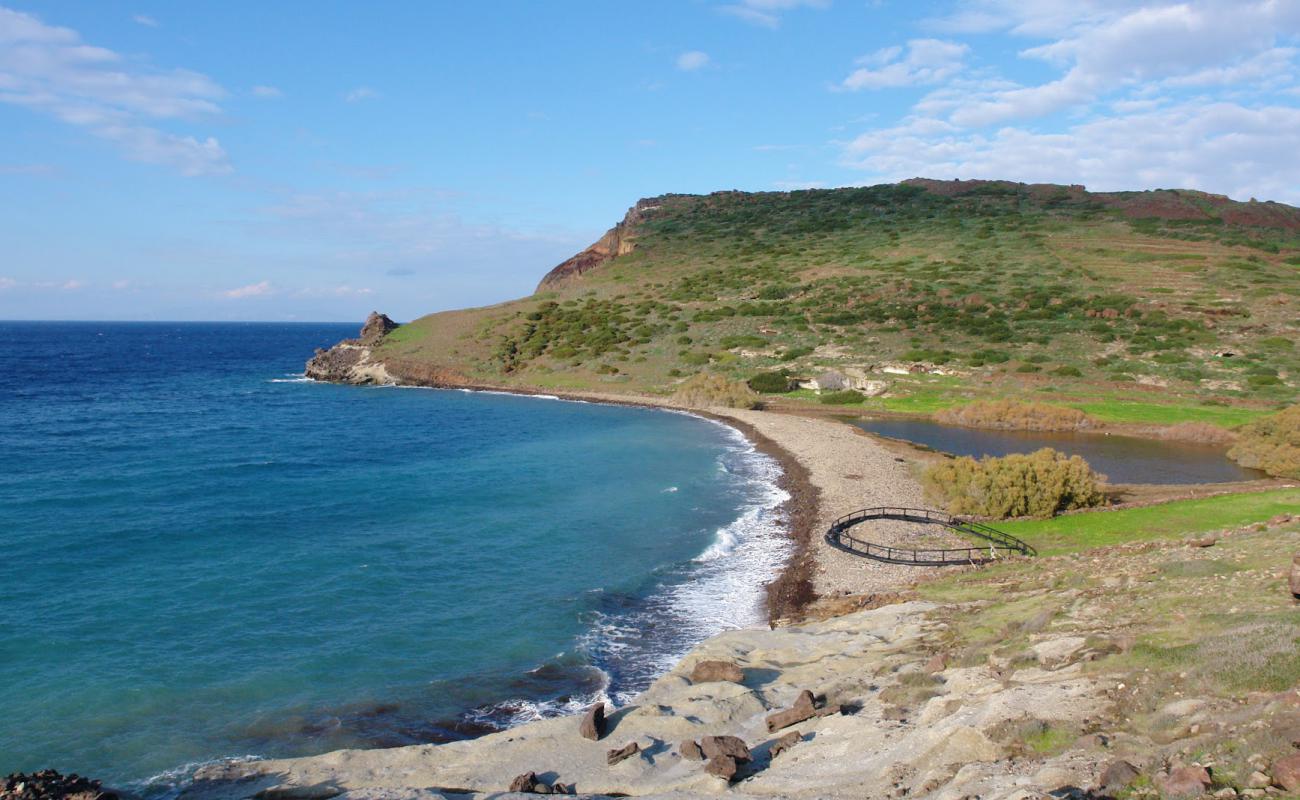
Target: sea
[[204, 555]]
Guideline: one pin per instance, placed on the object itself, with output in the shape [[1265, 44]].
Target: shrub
[[842, 398], [796, 352], [745, 340], [1068, 372], [1013, 415], [771, 383], [1035, 485], [1271, 444], [706, 389]]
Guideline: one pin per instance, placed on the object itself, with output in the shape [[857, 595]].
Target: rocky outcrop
[[593, 723], [351, 360], [951, 740], [617, 241], [710, 671], [48, 784]]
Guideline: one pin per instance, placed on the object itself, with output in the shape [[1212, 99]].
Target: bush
[[1010, 415], [842, 398], [1271, 444], [706, 389], [771, 383], [1068, 372], [1036, 485]]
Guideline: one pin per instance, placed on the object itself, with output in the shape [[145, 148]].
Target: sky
[[317, 160]]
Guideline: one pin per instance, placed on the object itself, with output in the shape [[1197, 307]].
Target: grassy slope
[[1076, 532], [1013, 291]]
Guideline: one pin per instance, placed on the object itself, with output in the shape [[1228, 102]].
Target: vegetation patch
[[1039, 484], [707, 390], [1271, 444], [1014, 415]]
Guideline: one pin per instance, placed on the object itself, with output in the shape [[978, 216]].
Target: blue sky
[[312, 161]]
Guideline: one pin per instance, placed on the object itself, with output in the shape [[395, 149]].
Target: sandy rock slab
[[662, 746]]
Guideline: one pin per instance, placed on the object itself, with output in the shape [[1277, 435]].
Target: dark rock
[[376, 327], [1294, 580], [730, 746], [802, 709], [722, 766], [1204, 541], [1184, 782], [690, 750], [525, 783], [561, 788], [628, 750], [709, 671], [1117, 775], [785, 743], [593, 723], [830, 711], [1286, 772], [48, 784]]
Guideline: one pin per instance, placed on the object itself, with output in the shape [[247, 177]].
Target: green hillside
[[1119, 301]]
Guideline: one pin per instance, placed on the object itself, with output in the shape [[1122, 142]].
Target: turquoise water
[[206, 556]]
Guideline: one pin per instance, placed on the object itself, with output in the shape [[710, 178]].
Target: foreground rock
[[949, 740], [593, 723], [711, 671], [48, 784]]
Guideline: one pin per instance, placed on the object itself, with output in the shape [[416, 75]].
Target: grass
[[1181, 518], [1127, 411]]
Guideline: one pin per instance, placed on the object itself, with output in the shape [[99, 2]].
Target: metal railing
[[1000, 545]]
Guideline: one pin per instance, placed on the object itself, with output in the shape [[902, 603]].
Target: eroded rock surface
[[947, 745]]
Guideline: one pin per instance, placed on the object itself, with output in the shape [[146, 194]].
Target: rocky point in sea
[[350, 360]]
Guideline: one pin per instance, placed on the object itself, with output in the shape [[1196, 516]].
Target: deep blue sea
[[204, 555]]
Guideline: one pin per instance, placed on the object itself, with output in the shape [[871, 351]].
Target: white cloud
[[251, 290], [267, 92], [692, 60], [49, 69], [928, 61], [71, 285], [1109, 46], [793, 186], [120, 285], [767, 13], [7, 283], [145, 20], [360, 93], [1214, 146]]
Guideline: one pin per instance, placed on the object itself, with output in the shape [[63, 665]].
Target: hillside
[[925, 292]]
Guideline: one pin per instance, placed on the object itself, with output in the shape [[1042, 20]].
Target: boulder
[[1294, 580], [711, 671], [785, 743], [937, 663], [729, 746], [376, 327], [48, 784], [1286, 772], [1204, 541], [628, 750], [1184, 782], [722, 766], [690, 750], [525, 783], [593, 723], [1117, 775], [803, 709]]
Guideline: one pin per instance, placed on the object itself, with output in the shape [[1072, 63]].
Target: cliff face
[[617, 241], [350, 361]]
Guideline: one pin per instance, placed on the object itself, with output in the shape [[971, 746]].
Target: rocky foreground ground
[[1162, 668]]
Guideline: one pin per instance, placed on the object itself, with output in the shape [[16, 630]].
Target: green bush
[[842, 398], [1271, 444], [771, 383], [729, 342], [706, 390], [1039, 484], [1068, 372]]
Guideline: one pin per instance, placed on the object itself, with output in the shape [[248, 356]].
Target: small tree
[[1039, 484], [706, 389]]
